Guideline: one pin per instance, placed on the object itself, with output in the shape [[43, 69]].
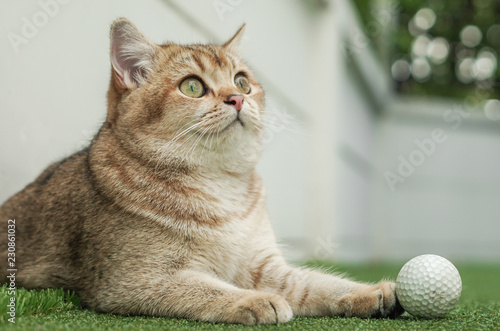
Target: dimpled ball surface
[[428, 286]]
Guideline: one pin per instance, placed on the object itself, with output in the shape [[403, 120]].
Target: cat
[[164, 214]]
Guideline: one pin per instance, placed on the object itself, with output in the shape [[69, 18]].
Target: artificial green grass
[[478, 309], [32, 303]]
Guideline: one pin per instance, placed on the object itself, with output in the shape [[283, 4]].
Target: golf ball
[[428, 286]]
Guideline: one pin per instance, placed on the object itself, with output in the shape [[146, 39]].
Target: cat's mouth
[[236, 121]]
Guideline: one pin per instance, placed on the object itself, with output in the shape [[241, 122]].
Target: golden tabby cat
[[164, 214]]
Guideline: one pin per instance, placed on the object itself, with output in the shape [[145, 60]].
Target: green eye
[[192, 87], [242, 83]]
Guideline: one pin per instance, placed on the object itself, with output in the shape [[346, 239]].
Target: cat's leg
[[194, 295], [312, 293]]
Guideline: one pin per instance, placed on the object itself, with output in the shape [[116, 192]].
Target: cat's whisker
[[173, 152], [164, 150], [210, 130], [193, 148], [193, 117], [180, 135], [181, 132], [208, 138], [271, 125], [211, 140], [176, 137]]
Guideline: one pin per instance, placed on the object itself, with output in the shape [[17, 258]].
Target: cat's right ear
[[131, 54]]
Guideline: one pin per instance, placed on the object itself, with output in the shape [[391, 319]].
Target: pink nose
[[236, 100]]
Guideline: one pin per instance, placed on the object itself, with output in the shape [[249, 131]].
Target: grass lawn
[[478, 309]]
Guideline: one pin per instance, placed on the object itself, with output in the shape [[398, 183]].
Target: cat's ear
[[131, 53], [233, 44]]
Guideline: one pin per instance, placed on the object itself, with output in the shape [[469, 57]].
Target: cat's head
[[194, 104]]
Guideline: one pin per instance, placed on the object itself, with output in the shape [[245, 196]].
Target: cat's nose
[[236, 100]]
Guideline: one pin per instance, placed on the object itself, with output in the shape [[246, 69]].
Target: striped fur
[[164, 214]]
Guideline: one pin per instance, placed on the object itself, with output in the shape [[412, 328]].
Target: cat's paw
[[373, 301], [261, 308]]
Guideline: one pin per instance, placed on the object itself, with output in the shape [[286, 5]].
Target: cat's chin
[[236, 123]]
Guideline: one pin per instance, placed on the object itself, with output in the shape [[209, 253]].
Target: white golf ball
[[428, 286]]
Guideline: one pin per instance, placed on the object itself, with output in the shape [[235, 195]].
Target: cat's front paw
[[373, 301], [261, 308]]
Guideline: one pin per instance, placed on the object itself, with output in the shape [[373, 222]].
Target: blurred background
[[383, 135]]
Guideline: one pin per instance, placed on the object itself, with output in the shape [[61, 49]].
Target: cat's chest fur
[[223, 250]]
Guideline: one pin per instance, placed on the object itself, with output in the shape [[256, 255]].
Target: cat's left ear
[[131, 54], [233, 44]]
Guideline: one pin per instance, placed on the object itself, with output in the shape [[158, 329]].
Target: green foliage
[[451, 17]]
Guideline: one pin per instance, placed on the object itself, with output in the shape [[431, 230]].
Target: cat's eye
[[242, 83], [192, 87]]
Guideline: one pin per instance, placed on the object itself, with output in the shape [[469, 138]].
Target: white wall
[[449, 205], [359, 88]]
